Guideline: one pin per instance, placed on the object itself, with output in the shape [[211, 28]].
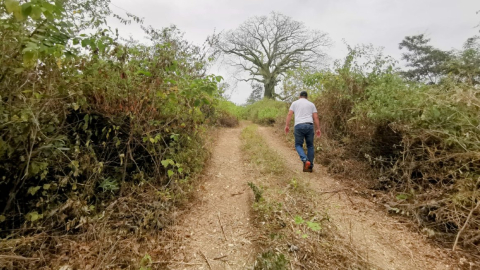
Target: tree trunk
[[269, 89]]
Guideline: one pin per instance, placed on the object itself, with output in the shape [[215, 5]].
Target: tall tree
[[465, 66], [426, 62], [268, 46]]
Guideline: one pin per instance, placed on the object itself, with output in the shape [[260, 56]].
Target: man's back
[[303, 110]]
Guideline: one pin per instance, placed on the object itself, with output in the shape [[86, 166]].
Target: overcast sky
[[383, 23]]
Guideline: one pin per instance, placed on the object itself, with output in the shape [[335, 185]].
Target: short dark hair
[[303, 94]]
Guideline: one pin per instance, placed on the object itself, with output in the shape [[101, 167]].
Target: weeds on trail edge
[[287, 214], [100, 136], [313, 226], [256, 191], [271, 261]]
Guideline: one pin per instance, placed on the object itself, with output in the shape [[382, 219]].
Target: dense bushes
[[84, 117], [266, 111], [228, 114], [421, 140]]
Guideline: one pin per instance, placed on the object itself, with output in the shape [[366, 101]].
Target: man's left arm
[[289, 118], [317, 124]]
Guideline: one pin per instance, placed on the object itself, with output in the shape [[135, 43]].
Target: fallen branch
[[465, 225], [61, 209], [221, 226], [175, 262], [332, 191], [205, 257], [468, 217], [15, 257], [221, 257]]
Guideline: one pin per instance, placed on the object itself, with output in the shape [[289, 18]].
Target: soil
[[388, 243], [218, 232], [218, 226]]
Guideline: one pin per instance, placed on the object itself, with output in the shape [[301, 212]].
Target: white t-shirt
[[303, 110]]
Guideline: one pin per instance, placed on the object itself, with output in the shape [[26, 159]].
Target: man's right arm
[[289, 118], [317, 124]]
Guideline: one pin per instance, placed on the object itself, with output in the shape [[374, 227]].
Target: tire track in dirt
[[388, 243], [218, 228]]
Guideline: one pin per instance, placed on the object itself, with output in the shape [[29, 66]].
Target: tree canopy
[[465, 66], [426, 62], [268, 46]]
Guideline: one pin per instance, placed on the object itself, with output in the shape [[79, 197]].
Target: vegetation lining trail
[[100, 137], [388, 243]]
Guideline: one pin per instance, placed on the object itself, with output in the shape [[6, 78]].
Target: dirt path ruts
[[388, 243], [224, 201]]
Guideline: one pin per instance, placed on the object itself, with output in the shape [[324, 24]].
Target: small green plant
[[169, 162], [314, 226], [271, 261], [403, 196], [146, 262], [256, 191], [109, 184], [33, 216], [294, 183]]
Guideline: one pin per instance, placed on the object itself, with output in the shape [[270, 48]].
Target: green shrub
[[231, 108], [82, 117], [228, 114], [420, 140], [266, 111]]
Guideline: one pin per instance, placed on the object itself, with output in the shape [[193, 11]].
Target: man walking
[[305, 114]]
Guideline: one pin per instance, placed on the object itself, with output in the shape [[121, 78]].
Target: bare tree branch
[[267, 47]]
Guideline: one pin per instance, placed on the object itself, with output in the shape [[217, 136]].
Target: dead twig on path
[[15, 257], [205, 257], [465, 225], [174, 262], [348, 197], [221, 226], [248, 257], [106, 255], [337, 192], [333, 191], [468, 217], [221, 257]]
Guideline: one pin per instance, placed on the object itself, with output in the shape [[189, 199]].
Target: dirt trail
[[224, 201], [388, 243]]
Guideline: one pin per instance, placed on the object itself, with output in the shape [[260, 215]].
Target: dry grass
[[131, 232], [294, 225], [118, 238]]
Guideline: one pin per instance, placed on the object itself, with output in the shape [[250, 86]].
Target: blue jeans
[[304, 132]]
